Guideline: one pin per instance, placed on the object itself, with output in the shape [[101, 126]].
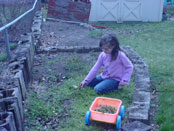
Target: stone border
[[77, 49], [140, 107]]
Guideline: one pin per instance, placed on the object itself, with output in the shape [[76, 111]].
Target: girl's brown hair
[[111, 40]]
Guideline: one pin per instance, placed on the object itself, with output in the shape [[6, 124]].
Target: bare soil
[[66, 34]]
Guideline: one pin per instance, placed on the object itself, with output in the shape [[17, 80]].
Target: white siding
[[152, 10], [126, 10]]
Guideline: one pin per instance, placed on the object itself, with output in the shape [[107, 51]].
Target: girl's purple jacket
[[120, 69]]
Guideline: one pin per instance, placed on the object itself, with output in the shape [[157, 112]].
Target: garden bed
[[57, 77], [55, 100]]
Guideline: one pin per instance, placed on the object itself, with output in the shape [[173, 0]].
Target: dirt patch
[[52, 69], [64, 34], [47, 71]]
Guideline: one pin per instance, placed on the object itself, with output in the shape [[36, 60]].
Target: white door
[[119, 10], [131, 10], [108, 10]]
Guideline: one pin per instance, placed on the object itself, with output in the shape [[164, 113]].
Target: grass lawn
[[155, 43]]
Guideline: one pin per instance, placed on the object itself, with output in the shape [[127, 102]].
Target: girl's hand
[[82, 84], [121, 84]]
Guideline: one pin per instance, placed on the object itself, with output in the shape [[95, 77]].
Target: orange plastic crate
[[105, 117]]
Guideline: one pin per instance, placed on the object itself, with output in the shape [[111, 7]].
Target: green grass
[[96, 33], [74, 63], [44, 11], [154, 42]]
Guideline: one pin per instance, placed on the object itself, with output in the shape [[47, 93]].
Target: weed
[[44, 12], [95, 33], [3, 57], [13, 46], [49, 63], [53, 79], [41, 84], [52, 72], [165, 127], [39, 109]]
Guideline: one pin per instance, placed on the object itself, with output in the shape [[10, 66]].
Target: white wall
[[93, 12], [152, 10]]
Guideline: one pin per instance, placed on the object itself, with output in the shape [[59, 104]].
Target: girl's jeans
[[102, 86]]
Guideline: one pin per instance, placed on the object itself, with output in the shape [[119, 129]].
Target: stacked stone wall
[[138, 112], [14, 84]]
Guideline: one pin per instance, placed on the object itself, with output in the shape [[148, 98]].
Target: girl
[[117, 68]]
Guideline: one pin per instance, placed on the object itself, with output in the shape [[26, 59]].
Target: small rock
[[44, 20], [75, 86]]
